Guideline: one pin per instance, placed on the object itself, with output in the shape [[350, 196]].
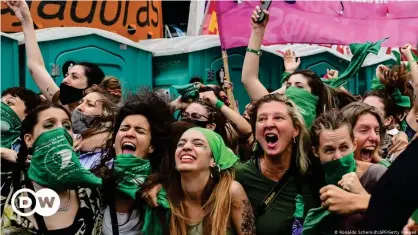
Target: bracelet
[[257, 52], [219, 104], [412, 61]]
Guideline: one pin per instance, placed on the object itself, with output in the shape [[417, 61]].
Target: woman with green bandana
[[348, 181], [139, 142], [276, 179], [412, 118], [78, 78], [203, 196], [47, 134], [16, 102], [93, 123], [311, 96]]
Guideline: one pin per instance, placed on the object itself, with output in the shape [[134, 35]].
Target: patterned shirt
[[87, 221]]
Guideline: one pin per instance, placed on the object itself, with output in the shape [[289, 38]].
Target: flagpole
[[229, 92]]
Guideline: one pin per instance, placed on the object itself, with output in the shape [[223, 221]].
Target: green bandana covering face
[[224, 157], [305, 101], [334, 171], [132, 171], [360, 52], [54, 163], [10, 126]]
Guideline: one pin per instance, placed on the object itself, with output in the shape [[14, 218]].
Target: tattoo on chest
[[248, 220]]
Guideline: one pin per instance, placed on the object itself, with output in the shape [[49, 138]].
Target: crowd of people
[[309, 158]]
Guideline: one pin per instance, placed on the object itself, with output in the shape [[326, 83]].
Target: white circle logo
[[47, 202]]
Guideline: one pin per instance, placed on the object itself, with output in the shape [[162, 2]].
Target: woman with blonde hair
[[275, 179], [203, 196]]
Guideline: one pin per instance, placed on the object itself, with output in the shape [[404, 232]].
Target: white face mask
[[392, 132]]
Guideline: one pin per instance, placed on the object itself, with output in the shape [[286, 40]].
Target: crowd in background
[[309, 158]]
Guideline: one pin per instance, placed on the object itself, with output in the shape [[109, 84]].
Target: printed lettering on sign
[[132, 19]]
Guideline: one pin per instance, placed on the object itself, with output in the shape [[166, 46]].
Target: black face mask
[[81, 122], [199, 123], [69, 94]]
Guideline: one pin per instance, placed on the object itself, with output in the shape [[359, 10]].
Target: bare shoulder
[[237, 191]]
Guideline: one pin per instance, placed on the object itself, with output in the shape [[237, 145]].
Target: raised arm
[[243, 220], [250, 69], [406, 50], [241, 125], [36, 63]]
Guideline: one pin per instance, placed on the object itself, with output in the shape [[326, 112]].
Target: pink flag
[[322, 22]]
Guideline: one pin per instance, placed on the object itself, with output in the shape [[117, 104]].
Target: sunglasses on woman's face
[[194, 116]]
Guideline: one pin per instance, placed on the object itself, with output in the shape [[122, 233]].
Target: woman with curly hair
[[139, 142]]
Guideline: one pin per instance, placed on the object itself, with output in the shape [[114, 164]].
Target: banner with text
[[135, 20], [322, 22]]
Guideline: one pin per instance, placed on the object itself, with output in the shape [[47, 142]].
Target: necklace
[[65, 208], [272, 171]]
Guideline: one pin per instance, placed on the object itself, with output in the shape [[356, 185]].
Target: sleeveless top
[[197, 229]]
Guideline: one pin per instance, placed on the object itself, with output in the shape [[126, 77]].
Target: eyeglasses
[[196, 116]]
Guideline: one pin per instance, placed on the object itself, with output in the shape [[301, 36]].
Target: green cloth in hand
[[334, 171], [360, 52]]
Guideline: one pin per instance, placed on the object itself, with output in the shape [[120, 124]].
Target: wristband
[[257, 52], [219, 104]]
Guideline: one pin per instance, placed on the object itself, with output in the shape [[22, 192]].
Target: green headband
[[224, 157], [399, 99], [306, 103], [360, 52]]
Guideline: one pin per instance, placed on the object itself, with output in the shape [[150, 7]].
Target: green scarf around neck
[[224, 157], [334, 171], [305, 101], [360, 52], [10, 126], [54, 163], [132, 172]]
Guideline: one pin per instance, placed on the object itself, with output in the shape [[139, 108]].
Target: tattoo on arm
[[47, 90], [248, 220]]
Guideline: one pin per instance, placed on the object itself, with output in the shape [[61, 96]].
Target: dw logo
[[47, 202]]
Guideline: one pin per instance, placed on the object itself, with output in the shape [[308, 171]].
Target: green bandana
[[224, 157], [360, 52], [398, 98], [152, 224], [334, 171], [414, 216], [10, 126], [55, 164], [132, 172], [306, 103], [188, 92]]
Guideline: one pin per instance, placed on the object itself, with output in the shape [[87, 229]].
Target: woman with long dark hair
[[139, 142], [47, 134]]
